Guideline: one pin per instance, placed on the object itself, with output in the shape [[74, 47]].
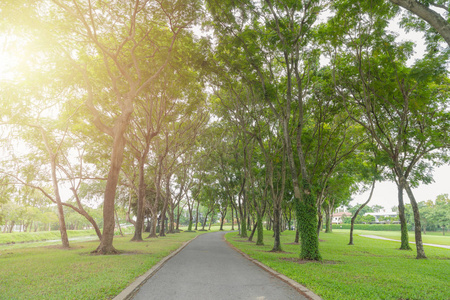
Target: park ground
[[371, 269]]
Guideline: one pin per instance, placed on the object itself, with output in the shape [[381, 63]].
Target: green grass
[[371, 269], [24, 237], [430, 237], [53, 273]]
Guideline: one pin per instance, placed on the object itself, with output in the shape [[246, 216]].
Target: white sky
[[385, 193]]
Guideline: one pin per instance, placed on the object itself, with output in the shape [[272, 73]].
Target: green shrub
[[373, 227]]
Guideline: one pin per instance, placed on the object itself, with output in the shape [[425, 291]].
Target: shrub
[[374, 227]]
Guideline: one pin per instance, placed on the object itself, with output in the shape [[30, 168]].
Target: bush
[[374, 227]]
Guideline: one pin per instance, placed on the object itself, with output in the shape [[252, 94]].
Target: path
[[208, 268], [386, 239]]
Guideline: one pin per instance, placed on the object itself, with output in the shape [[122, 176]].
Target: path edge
[[300, 288], [134, 287]]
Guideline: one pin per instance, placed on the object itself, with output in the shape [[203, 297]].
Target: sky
[[385, 193]]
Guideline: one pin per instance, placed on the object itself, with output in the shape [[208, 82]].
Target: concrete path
[[386, 239], [208, 268]]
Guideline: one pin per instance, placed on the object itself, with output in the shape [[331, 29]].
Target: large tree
[[403, 108], [109, 47]]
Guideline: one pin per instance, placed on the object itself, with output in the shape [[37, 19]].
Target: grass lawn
[[429, 238], [24, 237], [371, 269], [53, 273]]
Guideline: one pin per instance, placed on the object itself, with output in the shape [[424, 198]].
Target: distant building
[[338, 217]]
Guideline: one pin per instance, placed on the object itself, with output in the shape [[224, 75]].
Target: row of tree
[[280, 110]]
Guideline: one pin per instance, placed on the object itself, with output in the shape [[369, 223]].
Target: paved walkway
[[208, 268], [386, 239]]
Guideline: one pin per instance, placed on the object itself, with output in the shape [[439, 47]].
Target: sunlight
[[8, 61]]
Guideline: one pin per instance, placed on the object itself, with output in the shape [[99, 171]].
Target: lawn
[[52, 273], [430, 237], [25, 237], [371, 269]]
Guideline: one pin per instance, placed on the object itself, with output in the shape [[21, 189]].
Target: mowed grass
[[429, 238], [370, 269], [54, 273], [25, 237]]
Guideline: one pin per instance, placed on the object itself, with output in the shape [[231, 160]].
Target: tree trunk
[[11, 226], [153, 223], [118, 223], [211, 221], [297, 236], [222, 219], [250, 238], [417, 226], [171, 219], [328, 227], [276, 228], [177, 229], [238, 222], [307, 223], [260, 230], [205, 221], [319, 220], [106, 243], [196, 218], [137, 237], [232, 218], [401, 215], [62, 222], [162, 228], [358, 210], [190, 219]]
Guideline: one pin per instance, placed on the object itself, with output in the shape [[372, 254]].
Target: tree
[[426, 10], [409, 98], [121, 36], [274, 37]]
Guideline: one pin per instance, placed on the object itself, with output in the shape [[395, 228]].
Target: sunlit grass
[[25, 237], [371, 269], [53, 273], [430, 237]]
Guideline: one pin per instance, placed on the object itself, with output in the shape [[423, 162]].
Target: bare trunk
[[232, 218], [178, 218], [62, 222], [139, 224], [401, 214], [162, 228], [358, 210], [153, 223], [276, 229], [118, 223], [196, 218], [250, 238], [319, 220], [328, 226], [417, 226], [106, 243]]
